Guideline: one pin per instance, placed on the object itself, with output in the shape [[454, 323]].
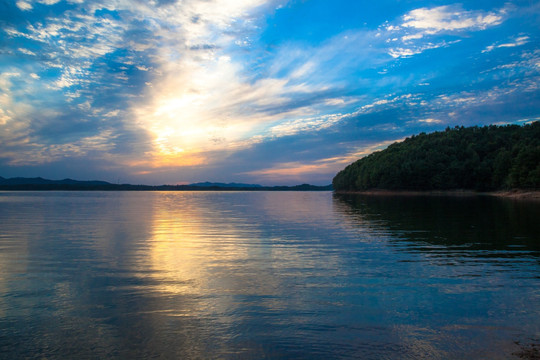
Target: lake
[[253, 275]]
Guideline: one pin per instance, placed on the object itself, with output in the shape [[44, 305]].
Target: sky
[[252, 91]]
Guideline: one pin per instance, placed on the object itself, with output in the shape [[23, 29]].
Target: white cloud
[[142, 67], [389, 101], [401, 52], [414, 50], [24, 5], [522, 40], [417, 36], [430, 121], [341, 101], [293, 127], [450, 18], [423, 23], [71, 75], [39, 153], [15, 121], [303, 70], [26, 52]]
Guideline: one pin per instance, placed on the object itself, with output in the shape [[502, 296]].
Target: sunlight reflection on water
[[265, 274]]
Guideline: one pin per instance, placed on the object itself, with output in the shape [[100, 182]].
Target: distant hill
[[303, 187], [476, 158], [225, 185], [42, 181], [38, 183]]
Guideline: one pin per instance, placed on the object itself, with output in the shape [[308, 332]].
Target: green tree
[[479, 158]]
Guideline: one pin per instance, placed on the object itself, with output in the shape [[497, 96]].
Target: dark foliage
[[477, 158]]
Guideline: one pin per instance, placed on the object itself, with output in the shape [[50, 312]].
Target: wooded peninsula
[[489, 158]]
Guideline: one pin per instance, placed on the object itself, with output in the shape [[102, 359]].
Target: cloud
[[157, 86], [389, 101], [450, 18], [204, 101], [295, 171], [194, 97], [522, 40], [428, 121], [82, 148], [423, 23], [305, 125], [318, 170], [407, 52], [26, 52], [24, 5]]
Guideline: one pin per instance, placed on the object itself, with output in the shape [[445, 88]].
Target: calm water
[[252, 275]]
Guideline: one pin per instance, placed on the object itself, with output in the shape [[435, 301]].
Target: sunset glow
[[271, 92]]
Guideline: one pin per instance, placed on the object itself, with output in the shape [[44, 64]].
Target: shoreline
[[533, 195]]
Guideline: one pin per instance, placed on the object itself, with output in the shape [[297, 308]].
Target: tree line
[[476, 158]]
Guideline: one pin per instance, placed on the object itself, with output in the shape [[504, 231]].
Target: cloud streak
[[522, 40]]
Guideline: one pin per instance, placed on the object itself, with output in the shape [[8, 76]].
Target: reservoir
[[275, 275]]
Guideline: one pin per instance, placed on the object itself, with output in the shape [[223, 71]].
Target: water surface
[[251, 275]]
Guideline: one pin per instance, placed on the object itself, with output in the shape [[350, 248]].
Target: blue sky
[[269, 92]]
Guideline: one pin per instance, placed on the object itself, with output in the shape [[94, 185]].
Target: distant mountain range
[[228, 185], [39, 183], [42, 181]]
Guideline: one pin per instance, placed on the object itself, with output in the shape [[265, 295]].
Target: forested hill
[[475, 158]]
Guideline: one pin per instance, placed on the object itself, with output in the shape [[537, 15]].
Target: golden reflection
[[212, 254], [200, 246], [190, 245]]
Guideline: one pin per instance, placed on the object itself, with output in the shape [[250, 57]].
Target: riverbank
[[510, 194], [518, 194]]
